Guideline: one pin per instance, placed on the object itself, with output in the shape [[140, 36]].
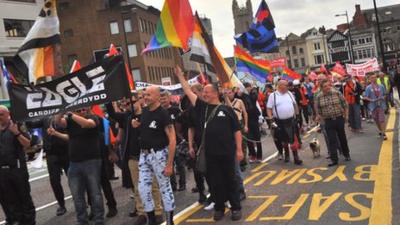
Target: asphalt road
[[362, 191]]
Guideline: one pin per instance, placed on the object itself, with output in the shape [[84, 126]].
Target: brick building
[[88, 27]]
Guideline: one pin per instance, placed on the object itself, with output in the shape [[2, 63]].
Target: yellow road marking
[[381, 209], [259, 167]]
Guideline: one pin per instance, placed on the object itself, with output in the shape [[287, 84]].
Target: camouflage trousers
[[152, 164]]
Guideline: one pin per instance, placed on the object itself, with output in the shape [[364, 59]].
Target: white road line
[[44, 206], [38, 178]]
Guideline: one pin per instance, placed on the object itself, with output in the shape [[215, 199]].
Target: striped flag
[[114, 51], [175, 26], [261, 35], [76, 65], [198, 47], [39, 54], [290, 75], [259, 69]]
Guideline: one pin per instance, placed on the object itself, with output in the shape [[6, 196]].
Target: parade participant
[[300, 94], [84, 173], [331, 107], [157, 144], [16, 197], [222, 139], [384, 80], [282, 109], [253, 134], [375, 94], [310, 95], [179, 161], [241, 113], [131, 152], [352, 92], [56, 150]]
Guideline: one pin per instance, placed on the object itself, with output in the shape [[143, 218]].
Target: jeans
[[336, 136], [355, 116], [86, 177], [239, 178], [55, 165], [150, 164]]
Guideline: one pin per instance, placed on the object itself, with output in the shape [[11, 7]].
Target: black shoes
[[236, 215], [218, 215], [332, 164], [202, 198], [112, 212], [347, 158], [61, 211], [141, 220], [297, 160], [151, 218], [181, 188]]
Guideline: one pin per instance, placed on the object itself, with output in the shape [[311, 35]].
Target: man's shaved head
[[152, 95]]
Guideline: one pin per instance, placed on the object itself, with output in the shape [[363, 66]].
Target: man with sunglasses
[[131, 152], [15, 190], [84, 174]]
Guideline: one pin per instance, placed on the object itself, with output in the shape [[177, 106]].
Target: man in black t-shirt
[[157, 143], [181, 145], [85, 163], [223, 145], [15, 190]]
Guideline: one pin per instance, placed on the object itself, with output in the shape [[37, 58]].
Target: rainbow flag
[[259, 69], [175, 26], [290, 75]]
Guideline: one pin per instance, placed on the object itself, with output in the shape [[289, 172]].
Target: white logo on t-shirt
[[153, 125], [221, 114], [172, 117]]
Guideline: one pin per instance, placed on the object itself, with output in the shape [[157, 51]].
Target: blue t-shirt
[[374, 92]]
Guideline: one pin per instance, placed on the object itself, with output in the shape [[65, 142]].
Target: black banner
[[97, 83]]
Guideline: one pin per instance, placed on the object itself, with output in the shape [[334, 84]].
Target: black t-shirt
[[11, 149], [152, 128], [220, 131], [84, 143], [175, 113]]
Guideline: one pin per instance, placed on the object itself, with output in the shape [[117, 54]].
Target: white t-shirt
[[284, 105]]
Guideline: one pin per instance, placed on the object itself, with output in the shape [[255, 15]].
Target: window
[[68, 33], [303, 62], [318, 59], [289, 63], [287, 52], [127, 25], [353, 42], [317, 46], [338, 44], [114, 27], [136, 74], [294, 50], [132, 50], [301, 51], [17, 28], [361, 41], [368, 40], [296, 63], [31, 1]]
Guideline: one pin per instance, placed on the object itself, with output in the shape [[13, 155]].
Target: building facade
[[17, 17], [316, 47], [338, 47], [88, 27], [294, 48], [242, 16]]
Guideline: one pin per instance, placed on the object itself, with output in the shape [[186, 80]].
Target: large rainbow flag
[[175, 26], [290, 75], [259, 69]]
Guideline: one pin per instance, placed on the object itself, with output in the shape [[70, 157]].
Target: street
[[362, 191]]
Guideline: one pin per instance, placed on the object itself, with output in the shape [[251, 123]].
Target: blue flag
[[261, 36]]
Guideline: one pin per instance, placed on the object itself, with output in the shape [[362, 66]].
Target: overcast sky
[[289, 15]]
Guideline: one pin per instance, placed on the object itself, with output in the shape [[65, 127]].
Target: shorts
[[378, 115]]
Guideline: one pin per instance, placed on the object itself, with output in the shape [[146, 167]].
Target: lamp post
[[384, 65], [350, 39]]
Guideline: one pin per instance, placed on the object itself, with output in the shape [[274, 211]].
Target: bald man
[[157, 143], [15, 197]]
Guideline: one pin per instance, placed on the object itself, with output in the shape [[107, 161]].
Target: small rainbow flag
[[290, 75], [175, 26], [259, 69]]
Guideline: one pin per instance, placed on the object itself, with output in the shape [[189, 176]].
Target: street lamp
[[351, 43]]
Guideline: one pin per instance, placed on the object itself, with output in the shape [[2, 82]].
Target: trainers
[[61, 211], [218, 215], [209, 206], [141, 220], [228, 205], [252, 159], [236, 215], [280, 156]]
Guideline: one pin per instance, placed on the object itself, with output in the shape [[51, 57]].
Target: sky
[[294, 16]]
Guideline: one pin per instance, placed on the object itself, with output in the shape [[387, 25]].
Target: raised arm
[[185, 85], [170, 131]]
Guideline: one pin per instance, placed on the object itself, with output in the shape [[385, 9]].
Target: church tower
[[242, 16]]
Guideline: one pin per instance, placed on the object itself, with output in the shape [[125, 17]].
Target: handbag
[[201, 162]]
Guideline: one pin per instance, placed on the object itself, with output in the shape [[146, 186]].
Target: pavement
[[362, 191]]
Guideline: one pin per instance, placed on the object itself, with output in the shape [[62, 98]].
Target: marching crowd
[[216, 132]]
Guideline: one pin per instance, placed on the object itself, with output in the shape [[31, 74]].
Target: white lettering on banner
[[69, 90], [43, 113], [142, 85]]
